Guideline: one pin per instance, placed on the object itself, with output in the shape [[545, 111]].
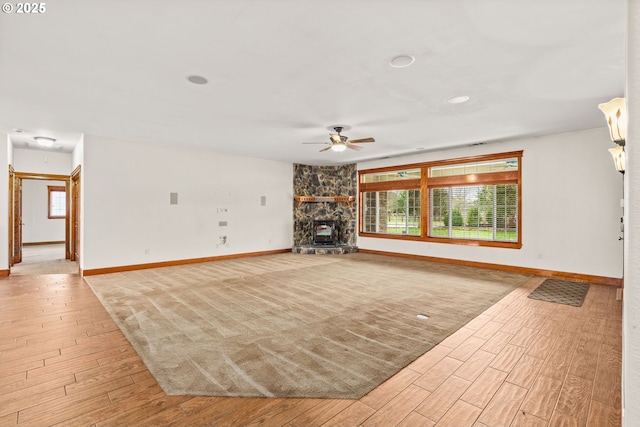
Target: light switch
[[173, 198]]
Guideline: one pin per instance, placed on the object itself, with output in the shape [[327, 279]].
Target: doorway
[[57, 196], [44, 259]]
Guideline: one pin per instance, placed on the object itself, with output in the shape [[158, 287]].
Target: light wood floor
[[523, 362]]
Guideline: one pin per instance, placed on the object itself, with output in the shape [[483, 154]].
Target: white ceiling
[[281, 72]]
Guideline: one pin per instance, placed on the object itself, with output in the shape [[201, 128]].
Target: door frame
[[12, 208], [73, 206], [15, 216]]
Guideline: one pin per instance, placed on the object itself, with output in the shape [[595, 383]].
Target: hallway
[[44, 259]]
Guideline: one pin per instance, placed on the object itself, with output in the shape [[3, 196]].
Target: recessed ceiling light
[[198, 80], [18, 130], [402, 61], [458, 99]]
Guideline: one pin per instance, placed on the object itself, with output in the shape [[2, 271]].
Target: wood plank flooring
[[523, 362]]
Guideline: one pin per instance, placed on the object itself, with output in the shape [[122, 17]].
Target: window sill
[[464, 242]]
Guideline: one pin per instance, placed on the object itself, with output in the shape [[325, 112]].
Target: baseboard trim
[[122, 268], [43, 243], [602, 280], [4, 273]]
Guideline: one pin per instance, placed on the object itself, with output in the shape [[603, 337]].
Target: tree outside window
[[473, 200]]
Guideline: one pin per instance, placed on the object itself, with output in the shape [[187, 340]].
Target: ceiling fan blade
[[358, 141], [337, 139]]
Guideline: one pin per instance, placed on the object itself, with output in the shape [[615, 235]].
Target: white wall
[[40, 161], [6, 153], [631, 302], [570, 206], [77, 159], [127, 218], [9, 148], [78, 153], [37, 226]]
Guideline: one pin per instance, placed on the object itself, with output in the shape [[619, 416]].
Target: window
[[393, 212], [473, 201], [487, 212], [57, 202], [391, 202]]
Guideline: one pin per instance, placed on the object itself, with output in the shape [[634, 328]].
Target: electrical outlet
[[222, 241]]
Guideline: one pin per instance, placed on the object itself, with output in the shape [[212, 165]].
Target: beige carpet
[[44, 259], [292, 325]]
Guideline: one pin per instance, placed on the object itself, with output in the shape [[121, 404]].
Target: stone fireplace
[[325, 194]]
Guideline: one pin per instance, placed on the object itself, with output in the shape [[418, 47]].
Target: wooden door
[[75, 215], [16, 210], [67, 220], [17, 220], [10, 228]]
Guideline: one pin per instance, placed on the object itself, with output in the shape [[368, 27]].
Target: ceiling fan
[[338, 142]]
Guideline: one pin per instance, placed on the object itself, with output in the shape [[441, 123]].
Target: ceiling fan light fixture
[[339, 143], [44, 141]]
